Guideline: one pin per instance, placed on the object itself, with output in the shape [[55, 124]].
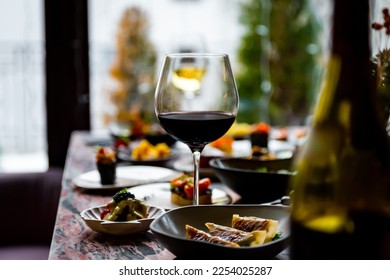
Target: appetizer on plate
[[259, 135], [239, 130], [225, 144], [123, 215], [124, 207], [182, 190], [106, 165], [250, 224], [244, 231], [147, 151]]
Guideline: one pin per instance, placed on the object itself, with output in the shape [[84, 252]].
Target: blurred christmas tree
[[278, 74], [134, 72]]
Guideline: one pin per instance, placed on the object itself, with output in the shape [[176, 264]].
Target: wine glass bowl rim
[[179, 55]]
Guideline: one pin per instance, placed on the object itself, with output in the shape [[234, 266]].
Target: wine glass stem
[[196, 159]]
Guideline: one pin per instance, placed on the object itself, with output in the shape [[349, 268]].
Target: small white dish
[[126, 176], [91, 217]]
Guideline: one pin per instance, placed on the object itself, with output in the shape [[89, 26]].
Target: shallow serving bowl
[[91, 217], [169, 229], [255, 180]]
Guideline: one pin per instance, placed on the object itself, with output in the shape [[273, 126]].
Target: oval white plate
[[91, 217], [127, 176], [125, 156], [186, 165], [160, 194]]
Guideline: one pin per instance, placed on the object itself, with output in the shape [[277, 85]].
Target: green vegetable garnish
[[277, 236], [262, 169]]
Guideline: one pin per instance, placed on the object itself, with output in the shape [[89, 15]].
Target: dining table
[[73, 239]]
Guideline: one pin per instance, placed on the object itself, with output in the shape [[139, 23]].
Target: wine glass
[[196, 101], [188, 43]]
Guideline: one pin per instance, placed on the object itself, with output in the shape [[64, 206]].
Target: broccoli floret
[[123, 194]]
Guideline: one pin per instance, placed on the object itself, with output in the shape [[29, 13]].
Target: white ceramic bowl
[[91, 217]]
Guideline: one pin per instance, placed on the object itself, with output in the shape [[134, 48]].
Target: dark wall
[[67, 74]]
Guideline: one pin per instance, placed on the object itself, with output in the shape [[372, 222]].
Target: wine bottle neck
[[351, 28], [348, 91], [348, 101]]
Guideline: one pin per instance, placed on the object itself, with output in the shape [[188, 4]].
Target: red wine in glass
[[196, 101], [196, 129]]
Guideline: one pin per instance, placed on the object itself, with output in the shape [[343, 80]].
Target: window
[[22, 108], [170, 22]]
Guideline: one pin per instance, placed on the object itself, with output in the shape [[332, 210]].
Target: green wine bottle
[[341, 192]]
